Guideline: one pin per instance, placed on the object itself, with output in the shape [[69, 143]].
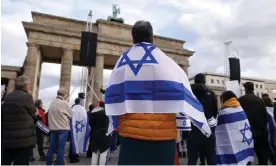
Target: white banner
[[233, 86]]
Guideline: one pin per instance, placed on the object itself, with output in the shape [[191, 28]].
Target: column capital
[[32, 45], [99, 54], [68, 49]]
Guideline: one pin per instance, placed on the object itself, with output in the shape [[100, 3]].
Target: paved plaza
[[87, 161], [84, 160]]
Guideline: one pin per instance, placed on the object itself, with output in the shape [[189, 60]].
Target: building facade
[[216, 82]]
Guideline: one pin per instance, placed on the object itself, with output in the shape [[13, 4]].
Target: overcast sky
[[204, 25]]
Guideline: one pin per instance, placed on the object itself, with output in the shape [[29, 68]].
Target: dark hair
[[249, 86], [265, 95], [91, 107], [77, 101], [200, 78], [38, 102], [142, 32], [101, 104], [227, 95], [267, 101]]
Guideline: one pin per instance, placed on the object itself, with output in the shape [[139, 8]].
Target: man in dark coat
[[255, 110], [199, 144], [18, 129], [100, 142]]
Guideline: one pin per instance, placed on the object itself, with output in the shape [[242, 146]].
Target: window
[[212, 81], [223, 82], [218, 81], [261, 86], [258, 94], [257, 86]]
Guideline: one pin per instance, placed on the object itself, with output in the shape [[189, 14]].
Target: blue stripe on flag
[[231, 118], [197, 123], [87, 135], [115, 122], [271, 134], [157, 90], [234, 158], [72, 138], [182, 117], [184, 127]]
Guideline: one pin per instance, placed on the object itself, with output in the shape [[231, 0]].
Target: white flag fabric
[[234, 142], [271, 126], [146, 80], [183, 123], [80, 130]]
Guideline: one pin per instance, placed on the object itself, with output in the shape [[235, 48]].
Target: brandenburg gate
[[56, 39]]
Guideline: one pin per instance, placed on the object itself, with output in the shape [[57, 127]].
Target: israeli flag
[[183, 123], [146, 80], [271, 126], [234, 142], [80, 130]]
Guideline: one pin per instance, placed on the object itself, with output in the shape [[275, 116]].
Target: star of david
[[136, 65], [79, 125], [244, 138]]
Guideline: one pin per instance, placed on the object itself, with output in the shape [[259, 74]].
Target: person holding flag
[[100, 139], [80, 131], [234, 140], [198, 144], [145, 92]]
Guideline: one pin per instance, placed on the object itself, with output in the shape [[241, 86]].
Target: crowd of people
[[144, 138]]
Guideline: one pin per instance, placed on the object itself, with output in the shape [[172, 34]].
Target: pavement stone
[[87, 161]]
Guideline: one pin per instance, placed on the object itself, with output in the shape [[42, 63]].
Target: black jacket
[[255, 110], [275, 111], [18, 115], [207, 98], [99, 123]]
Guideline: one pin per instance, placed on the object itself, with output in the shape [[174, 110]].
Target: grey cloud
[[249, 26]]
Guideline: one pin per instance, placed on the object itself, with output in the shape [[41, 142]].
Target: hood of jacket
[[199, 90], [97, 109]]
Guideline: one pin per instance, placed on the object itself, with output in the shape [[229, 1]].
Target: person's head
[[265, 95], [142, 32], [101, 104], [200, 78], [77, 101], [91, 107], [62, 92], [227, 95], [38, 103], [267, 101], [248, 87], [23, 83]]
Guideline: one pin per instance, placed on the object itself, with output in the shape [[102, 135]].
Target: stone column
[[98, 81], [89, 93], [30, 66], [11, 85], [66, 70], [185, 68], [219, 101]]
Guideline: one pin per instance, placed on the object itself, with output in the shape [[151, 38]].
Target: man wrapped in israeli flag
[[145, 91], [80, 131], [234, 140]]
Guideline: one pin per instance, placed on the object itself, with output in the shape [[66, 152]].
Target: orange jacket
[[147, 126]]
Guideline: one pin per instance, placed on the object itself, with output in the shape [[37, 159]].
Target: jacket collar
[[232, 102], [60, 97]]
